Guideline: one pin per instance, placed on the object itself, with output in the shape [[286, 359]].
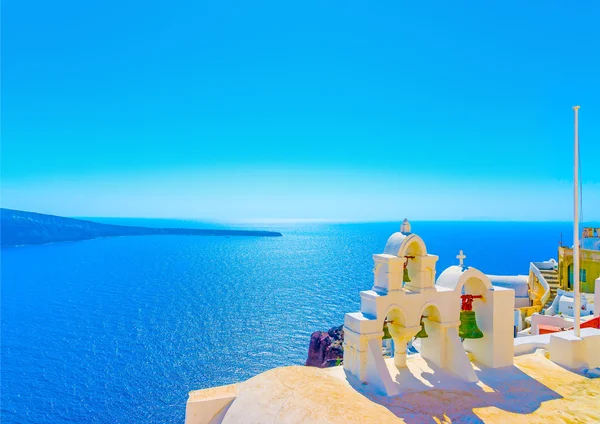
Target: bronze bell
[[468, 326], [386, 332], [422, 334], [405, 277]]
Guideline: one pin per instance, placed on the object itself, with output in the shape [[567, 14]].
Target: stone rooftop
[[534, 390]]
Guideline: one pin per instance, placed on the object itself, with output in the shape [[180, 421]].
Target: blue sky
[[312, 110]]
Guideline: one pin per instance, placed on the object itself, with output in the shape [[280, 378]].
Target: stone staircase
[[551, 276]]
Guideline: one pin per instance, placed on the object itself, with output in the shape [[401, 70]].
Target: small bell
[[422, 334], [405, 277], [386, 332], [468, 326]]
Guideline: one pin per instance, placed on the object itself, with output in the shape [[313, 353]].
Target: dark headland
[[20, 228]]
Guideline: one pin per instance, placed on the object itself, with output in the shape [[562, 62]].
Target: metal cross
[[460, 257]]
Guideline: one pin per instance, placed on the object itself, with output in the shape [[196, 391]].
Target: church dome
[[404, 236], [393, 244]]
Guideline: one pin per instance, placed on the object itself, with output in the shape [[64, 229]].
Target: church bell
[[386, 332], [422, 334], [468, 326], [405, 277]]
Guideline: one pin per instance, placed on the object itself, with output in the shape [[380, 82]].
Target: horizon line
[[311, 220], [330, 221]]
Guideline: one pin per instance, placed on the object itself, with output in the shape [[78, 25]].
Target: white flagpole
[[576, 295]]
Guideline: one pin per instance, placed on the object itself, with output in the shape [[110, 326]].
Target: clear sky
[[334, 110]]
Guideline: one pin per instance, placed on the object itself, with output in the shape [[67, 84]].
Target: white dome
[[393, 244]]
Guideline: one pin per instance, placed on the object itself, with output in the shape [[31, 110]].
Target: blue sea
[[119, 330]]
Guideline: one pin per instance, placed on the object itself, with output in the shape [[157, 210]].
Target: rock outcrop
[[326, 349]]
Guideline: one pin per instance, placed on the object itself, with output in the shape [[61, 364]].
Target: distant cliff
[[326, 349], [22, 228]]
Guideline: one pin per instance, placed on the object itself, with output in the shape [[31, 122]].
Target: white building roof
[[516, 282]]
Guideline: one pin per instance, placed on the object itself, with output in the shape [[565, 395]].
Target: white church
[[407, 299]]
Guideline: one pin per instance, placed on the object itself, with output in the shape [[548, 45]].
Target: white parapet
[[209, 405], [576, 352]]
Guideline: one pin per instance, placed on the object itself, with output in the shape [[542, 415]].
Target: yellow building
[[589, 262]]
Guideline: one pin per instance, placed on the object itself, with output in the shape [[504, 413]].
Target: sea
[[119, 330]]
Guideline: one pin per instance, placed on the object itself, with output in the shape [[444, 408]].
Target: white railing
[[535, 271], [546, 265]]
